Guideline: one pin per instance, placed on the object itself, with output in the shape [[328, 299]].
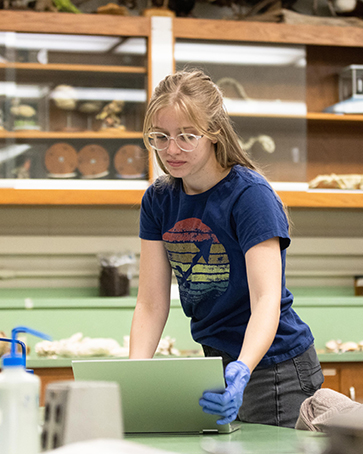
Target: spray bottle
[[19, 401]]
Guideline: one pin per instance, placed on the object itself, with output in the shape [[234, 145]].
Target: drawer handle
[[352, 393]]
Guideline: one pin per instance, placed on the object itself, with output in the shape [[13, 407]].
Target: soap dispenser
[[19, 401]]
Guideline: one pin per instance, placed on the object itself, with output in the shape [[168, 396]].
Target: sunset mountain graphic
[[199, 260]]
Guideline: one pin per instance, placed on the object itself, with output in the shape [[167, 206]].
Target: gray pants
[[274, 395]]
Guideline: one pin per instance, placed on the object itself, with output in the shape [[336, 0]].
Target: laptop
[[161, 395]]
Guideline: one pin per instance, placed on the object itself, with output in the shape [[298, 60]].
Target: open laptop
[[161, 395]]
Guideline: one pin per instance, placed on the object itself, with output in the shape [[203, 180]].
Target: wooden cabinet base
[[346, 378]]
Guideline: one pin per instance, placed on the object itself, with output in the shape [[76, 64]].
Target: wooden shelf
[[228, 30], [322, 199], [74, 68], [333, 117], [11, 196], [69, 23], [106, 134], [293, 199], [190, 28]]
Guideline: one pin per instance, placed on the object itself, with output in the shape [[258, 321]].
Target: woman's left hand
[[227, 404]]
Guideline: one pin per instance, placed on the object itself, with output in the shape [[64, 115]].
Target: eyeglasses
[[160, 141]]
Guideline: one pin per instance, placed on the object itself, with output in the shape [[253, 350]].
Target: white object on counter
[[107, 446], [78, 345], [78, 411], [19, 402]]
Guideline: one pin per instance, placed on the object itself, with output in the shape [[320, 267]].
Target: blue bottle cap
[[13, 359], [9, 360]]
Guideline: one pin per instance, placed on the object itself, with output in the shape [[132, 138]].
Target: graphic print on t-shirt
[[199, 260]]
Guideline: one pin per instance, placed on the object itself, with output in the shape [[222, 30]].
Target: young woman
[[214, 221]]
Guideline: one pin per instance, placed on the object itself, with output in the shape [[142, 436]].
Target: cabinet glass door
[[71, 111], [264, 94]]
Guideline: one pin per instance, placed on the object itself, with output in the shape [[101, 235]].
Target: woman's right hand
[[227, 404]]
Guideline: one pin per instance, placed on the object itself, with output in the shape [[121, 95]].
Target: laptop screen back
[[160, 395]]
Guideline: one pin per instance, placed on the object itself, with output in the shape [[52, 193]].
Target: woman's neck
[[193, 187]]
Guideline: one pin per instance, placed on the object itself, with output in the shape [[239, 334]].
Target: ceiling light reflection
[[240, 54], [68, 43], [104, 94], [14, 90], [265, 107]]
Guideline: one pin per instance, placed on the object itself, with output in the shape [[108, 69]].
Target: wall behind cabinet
[[58, 246]]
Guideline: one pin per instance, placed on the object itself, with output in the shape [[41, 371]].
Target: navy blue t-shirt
[[206, 237]]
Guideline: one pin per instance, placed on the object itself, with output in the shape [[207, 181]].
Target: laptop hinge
[[209, 431]]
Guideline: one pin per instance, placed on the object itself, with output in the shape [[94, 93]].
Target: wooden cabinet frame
[[344, 377], [321, 42]]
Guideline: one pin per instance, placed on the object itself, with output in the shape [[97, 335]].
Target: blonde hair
[[193, 94]]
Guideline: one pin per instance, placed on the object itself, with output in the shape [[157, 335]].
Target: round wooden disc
[[61, 158], [93, 160], [130, 161]]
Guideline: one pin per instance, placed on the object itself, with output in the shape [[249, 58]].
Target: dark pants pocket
[[309, 371]]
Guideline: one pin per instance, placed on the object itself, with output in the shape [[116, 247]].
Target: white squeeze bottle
[[19, 402]]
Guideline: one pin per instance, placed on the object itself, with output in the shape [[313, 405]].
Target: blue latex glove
[[227, 404]]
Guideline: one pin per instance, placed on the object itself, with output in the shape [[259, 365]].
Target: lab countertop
[[251, 438], [341, 357]]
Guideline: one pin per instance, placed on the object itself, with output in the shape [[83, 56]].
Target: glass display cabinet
[[279, 81], [74, 88], [73, 106], [264, 94], [71, 112]]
